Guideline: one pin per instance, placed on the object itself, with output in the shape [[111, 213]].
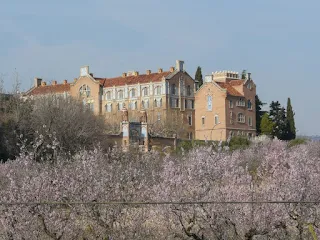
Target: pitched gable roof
[[230, 90], [58, 88], [130, 80]]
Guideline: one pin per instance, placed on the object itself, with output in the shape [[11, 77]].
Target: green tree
[[198, 76], [266, 125], [259, 113], [278, 116], [290, 120]]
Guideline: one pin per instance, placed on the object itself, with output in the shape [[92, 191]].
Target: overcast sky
[[278, 41]]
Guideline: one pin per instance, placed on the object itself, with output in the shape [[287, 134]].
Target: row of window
[[133, 105], [132, 93], [241, 103], [174, 90], [216, 120], [240, 133], [241, 118], [188, 104], [85, 91]]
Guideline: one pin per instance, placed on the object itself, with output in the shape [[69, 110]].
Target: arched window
[[249, 104], [133, 105], [84, 90], [158, 90], [120, 94], [241, 118], [145, 91], [108, 107], [108, 95], [120, 106], [158, 102], [133, 93], [145, 104]]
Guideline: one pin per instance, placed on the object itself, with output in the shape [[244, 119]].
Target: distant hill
[[314, 138]]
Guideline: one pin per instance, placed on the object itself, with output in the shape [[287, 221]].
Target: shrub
[[238, 142], [296, 142]]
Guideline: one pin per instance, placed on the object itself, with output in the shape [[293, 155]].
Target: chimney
[[65, 81], [136, 73], [249, 76], [37, 82], [54, 83], [160, 70], [124, 75], [171, 69], [91, 74], [179, 65], [148, 72], [43, 84]]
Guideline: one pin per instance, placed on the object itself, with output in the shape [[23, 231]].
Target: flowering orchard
[[267, 191]]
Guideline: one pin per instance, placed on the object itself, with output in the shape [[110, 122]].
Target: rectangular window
[[209, 103], [203, 121], [186, 104], [231, 117], [230, 104], [250, 121], [216, 119], [192, 104], [159, 116], [190, 120], [190, 135], [108, 107], [177, 102]]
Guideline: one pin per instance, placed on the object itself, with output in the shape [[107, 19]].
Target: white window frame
[[249, 104], [85, 90], [241, 118], [209, 103], [145, 91], [230, 104], [120, 96], [216, 119], [133, 93], [107, 95], [157, 90]]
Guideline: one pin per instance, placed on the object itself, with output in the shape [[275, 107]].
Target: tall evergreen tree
[[278, 116], [198, 76], [266, 125], [290, 119], [259, 113]]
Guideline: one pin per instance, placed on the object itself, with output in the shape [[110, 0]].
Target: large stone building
[[225, 106], [166, 96]]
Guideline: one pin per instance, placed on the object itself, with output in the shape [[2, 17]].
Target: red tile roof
[[236, 82], [121, 81], [230, 90], [59, 88]]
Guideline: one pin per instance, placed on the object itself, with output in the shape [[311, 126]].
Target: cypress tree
[[198, 76], [290, 119], [259, 113]]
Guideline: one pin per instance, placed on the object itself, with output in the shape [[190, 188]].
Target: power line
[[158, 203]]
